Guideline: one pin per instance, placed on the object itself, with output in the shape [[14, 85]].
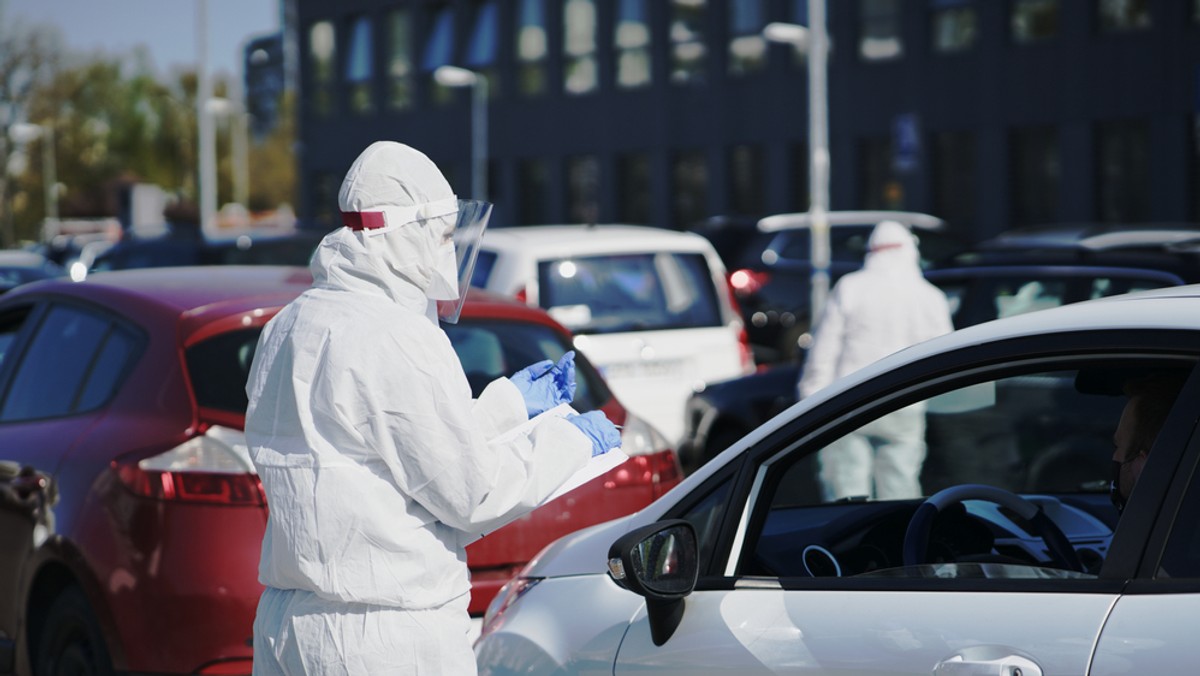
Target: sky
[[167, 28]]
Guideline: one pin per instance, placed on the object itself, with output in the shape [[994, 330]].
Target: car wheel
[[71, 643]]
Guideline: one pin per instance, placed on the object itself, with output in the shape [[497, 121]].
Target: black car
[[723, 412], [770, 268], [186, 247]]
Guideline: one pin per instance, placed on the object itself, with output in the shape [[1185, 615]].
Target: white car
[[650, 308], [1014, 560]]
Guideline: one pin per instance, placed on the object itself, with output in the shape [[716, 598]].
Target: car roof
[[1096, 236], [791, 221], [541, 241], [20, 258]]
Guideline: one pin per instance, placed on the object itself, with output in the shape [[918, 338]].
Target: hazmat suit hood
[[892, 244], [405, 254]]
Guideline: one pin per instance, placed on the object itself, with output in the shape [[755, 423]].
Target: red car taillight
[[748, 279], [745, 282], [651, 458], [212, 468]]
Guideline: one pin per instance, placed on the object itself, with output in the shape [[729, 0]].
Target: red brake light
[[745, 352], [746, 282], [211, 468], [523, 295]]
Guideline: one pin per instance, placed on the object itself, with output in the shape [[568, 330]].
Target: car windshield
[[629, 292], [848, 244], [488, 349]]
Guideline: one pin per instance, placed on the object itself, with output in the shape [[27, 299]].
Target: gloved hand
[[599, 429], [546, 384]]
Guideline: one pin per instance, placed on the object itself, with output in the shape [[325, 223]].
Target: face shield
[[466, 237], [447, 233]]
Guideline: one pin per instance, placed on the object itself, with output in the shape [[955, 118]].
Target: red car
[[130, 516]]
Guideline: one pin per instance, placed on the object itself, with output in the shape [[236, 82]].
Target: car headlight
[[504, 599]]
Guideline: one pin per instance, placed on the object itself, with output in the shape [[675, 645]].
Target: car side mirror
[[659, 562]]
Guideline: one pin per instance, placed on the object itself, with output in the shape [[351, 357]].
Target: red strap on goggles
[[363, 220]]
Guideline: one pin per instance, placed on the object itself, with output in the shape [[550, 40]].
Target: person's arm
[[416, 413], [820, 366]]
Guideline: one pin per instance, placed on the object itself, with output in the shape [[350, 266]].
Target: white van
[[651, 308]]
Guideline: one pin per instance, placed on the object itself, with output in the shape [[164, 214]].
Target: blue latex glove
[[546, 384], [599, 429]]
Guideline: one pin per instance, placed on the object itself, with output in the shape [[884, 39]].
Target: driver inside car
[[1150, 400]]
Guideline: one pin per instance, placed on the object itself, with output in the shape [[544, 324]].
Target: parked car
[[772, 278], [18, 266], [187, 247], [1013, 560], [1016, 272], [650, 307], [131, 516]]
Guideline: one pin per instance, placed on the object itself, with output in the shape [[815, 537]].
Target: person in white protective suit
[[378, 466], [882, 308]]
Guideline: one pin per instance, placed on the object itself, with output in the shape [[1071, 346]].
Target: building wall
[[1102, 122]]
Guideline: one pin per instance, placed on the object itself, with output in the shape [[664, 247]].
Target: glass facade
[[400, 65], [483, 45], [879, 30], [631, 44], [747, 181], [689, 175], [634, 188], [689, 52], [360, 71], [1123, 15], [1122, 171], [583, 189], [955, 24], [532, 47], [747, 46], [1034, 20], [580, 69], [322, 55], [439, 51], [533, 185], [954, 177], [1035, 171]]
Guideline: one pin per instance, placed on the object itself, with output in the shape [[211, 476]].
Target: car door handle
[[1009, 665]]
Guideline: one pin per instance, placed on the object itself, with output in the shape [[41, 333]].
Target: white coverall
[[871, 313], [377, 464]]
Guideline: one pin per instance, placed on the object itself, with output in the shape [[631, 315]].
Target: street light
[[814, 39], [24, 132], [453, 76]]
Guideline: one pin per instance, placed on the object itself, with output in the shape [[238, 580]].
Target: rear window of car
[[490, 349], [219, 368], [629, 292], [484, 263], [848, 244]]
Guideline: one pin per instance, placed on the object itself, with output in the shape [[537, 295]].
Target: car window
[[705, 516], [219, 367], [848, 244], [1113, 286], [484, 262], [10, 324], [629, 292], [61, 370], [490, 349], [844, 506]]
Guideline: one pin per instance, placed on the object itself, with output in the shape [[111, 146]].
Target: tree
[[27, 56]]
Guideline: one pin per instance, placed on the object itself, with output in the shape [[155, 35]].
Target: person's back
[[885, 307]]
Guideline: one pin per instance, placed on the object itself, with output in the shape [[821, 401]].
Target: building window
[[955, 24], [483, 49], [1196, 158], [631, 41], [533, 181], [400, 65], [1123, 15], [688, 52], [360, 67], [1122, 171], [583, 189], [1034, 20], [580, 70], [954, 178], [747, 46], [879, 30], [1034, 175], [633, 188], [799, 15], [747, 180], [439, 51], [878, 187], [322, 55], [801, 169], [532, 50], [689, 172]]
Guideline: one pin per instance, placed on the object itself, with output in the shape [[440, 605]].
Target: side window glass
[[10, 324], [110, 364], [705, 517], [47, 382], [1044, 438]]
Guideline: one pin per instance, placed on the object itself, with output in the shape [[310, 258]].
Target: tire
[[70, 642]]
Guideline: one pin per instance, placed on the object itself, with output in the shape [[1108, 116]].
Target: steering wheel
[[916, 539]]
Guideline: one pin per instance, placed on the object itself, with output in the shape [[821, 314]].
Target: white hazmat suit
[[378, 466], [882, 308]]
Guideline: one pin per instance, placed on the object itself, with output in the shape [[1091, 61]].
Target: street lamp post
[[453, 76], [23, 132], [814, 40], [238, 130]]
